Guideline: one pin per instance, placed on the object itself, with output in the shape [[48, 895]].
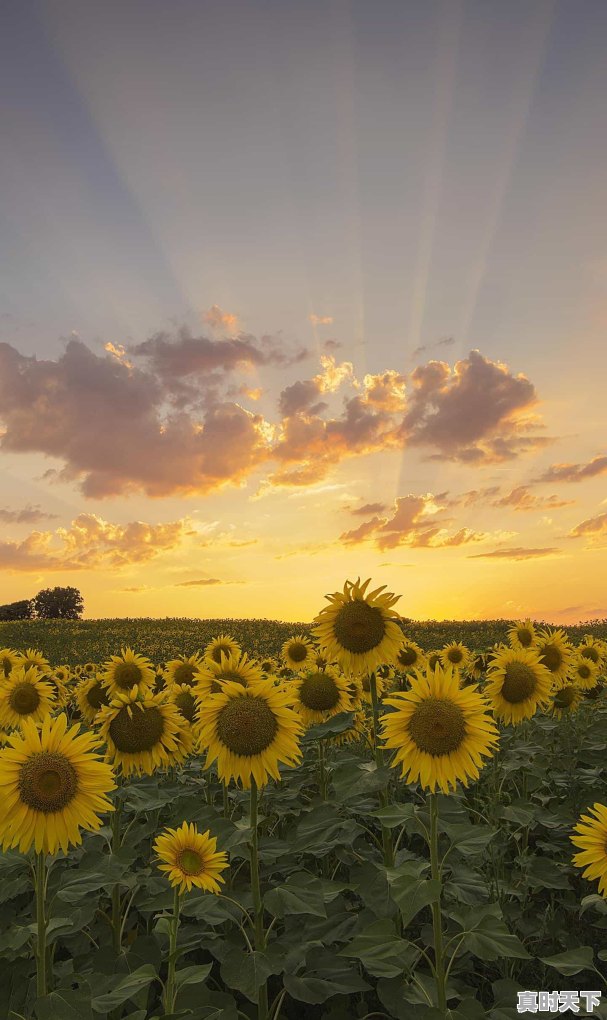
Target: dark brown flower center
[[590, 652], [24, 698], [6, 665], [319, 692], [97, 695], [139, 731], [47, 782], [552, 657], [127, 675], [433, 660], [220, 650], [246, 726], [437, 726], [584, 671], [455, 656], [186, 703], [184, 674], [298, 652], [565, 697], [519, 684], [359, 627], [525, 637], [407, 656]]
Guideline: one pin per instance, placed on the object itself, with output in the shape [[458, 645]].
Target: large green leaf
[[572, 961], [331, 728], [302, 893], [382, 952], [125, 988], [487, 935], [65, 1004], [246, 972]]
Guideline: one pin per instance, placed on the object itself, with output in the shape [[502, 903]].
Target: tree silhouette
[[58, 604]]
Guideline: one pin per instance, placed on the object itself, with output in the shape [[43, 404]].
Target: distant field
[[72, 642]]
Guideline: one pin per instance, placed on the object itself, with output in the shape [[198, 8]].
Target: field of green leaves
[[352, 891]]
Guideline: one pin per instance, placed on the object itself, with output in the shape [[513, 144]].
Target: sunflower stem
[[322, 772], [41, 920], [262, 995], [439, 959], [170, 990], [116, 911], [386, 835], [226, 803]]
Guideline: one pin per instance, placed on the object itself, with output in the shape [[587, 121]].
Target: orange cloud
[[27, 515], [575, 472], [516, 553], [320, 320], [91, 543], [217, 319], [416, 522], [521, 498], [595, 527]]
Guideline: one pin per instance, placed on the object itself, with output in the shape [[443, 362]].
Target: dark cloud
[[27, 515], [575, 472], [301, 396], [368, 508], [417, 522], [521, 498], [198, 584]]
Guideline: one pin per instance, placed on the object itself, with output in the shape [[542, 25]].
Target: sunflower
[[521, 634], [589, 648], [185, 700], [477, 665], [565, 700], [52, 785], [410, 656], [183, 671], [439, 730], [127, 670], [591, 837], [8, 660], [357, 731], [91, 696], [455, 654], [32, 657], [25, 695], [222, 645], [298, 653], [433, 659], [358, 630], [381, 686], [517, 683], [595, 691], [585, 673], [237, 668], [190, 858], [90, 668], [248, 730], [58, 688], [267, 665], [62, 674], [321, 694], [141, 731], [555, 653]]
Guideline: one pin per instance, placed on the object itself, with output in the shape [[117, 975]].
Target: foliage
[[58, 604], [22, 610]]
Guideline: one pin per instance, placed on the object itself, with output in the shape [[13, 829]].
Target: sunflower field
[[364, 818]]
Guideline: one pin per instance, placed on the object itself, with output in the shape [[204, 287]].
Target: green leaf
[[410, 891], [487, 935], [194, 975], [302, 893], [247, 973], [382, 952], [593, 901], [469, 839], [324, 828], [545, 874], [572, 961], [65, 1004], [393, 815], [314, 989], [331, 728], [125, 989]]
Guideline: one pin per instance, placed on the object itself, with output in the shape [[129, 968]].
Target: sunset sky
[[293, 292]]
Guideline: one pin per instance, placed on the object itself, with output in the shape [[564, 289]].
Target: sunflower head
[[24, 694], [235, 668], [522, 634], [591, 837], [410, 656], [32, 657], [298, 653], [127, 671], [358, 630], [52, 785], [456, 655], [589, 648], [221, 645], [565, 700], [141, 731], [321, 694], [185, 701], [585, 673], [184, 670], [8, 660], [190, 858], [91, 696], [247, 731], [434, 659], [440, 731], [556, 654], [517, 684]]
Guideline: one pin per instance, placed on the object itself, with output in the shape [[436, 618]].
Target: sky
[[293, 293]]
